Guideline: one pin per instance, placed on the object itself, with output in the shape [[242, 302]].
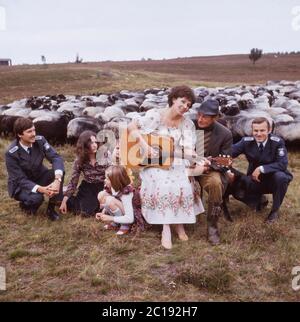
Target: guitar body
[[132, 157]]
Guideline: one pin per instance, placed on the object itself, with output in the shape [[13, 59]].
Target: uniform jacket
[[273, 158], [24, 169]]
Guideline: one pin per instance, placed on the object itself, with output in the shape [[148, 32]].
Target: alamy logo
[[2, 279], [2, 19], [296, 19], [296, 279]]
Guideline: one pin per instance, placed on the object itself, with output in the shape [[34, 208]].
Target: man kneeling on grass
[[28, 179], [267, 171]]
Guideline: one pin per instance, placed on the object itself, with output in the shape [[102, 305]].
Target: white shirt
[[261, 168], [264, 143], [25, 147], [126, 200]]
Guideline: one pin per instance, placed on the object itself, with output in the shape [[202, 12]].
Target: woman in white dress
[[167, 195]]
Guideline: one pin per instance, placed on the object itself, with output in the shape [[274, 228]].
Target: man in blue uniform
[[267, 171], [28, 179]]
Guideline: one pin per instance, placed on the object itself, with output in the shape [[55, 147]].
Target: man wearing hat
[[213, 139]]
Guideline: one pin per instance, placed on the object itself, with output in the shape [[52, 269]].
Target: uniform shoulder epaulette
[[13, 150], [275, 138], [248, 138], [38, 137], [47, 146]]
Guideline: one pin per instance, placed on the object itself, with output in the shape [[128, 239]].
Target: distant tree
[[78, 60], [255, 54]]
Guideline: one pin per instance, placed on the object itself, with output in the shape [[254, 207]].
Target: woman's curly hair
[[181, 91]]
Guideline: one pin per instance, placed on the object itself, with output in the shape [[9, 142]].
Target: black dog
[[238, 189]]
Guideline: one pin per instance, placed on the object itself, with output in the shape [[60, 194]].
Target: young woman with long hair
[[85, 202]]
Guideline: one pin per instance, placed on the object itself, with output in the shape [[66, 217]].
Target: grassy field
[[76, 260], [31, 80]]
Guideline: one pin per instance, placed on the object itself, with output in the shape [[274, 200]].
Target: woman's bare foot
[[166, 238], [181, 232]]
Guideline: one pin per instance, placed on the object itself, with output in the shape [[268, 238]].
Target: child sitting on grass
[[117, 200]]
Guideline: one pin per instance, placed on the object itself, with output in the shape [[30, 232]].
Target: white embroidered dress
[[167, 195]]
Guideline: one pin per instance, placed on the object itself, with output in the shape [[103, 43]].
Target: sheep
[[42, 115], [278, 101], [17, 111], [131, 105], [55, 129], [274, 111], [76, 108], [93, 110], [116, 124], [7, 124], [232, 108], [3, 108], [18, 104], [290, 132], [101, 101], [149, 104], [80, 124], [240, 125], [153, 91], [111, 112], [261, 102]]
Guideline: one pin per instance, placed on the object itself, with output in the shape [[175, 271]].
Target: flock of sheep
[[62, 118]]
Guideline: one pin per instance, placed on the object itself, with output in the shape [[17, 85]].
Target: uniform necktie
[[261, 147], [29, 151]]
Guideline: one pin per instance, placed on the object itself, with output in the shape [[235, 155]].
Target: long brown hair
[[83, 146], [118, 177]]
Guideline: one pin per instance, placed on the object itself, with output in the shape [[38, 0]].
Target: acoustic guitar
[[132, 156]]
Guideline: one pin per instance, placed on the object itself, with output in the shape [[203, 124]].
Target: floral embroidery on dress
[[171, 201]]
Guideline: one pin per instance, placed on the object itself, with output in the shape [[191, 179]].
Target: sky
[[100, 30]]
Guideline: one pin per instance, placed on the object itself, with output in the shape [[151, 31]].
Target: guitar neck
[[186, 156]]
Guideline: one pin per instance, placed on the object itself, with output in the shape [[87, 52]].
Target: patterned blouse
[[91, 174]]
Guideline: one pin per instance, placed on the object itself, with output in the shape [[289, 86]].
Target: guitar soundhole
[[154, 161]]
